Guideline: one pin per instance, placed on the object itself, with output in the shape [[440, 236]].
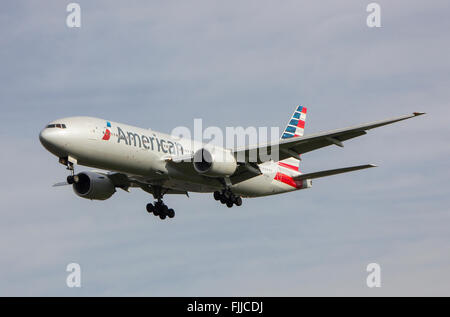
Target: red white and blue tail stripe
[[296, 125], [290, 164], [286, 171]]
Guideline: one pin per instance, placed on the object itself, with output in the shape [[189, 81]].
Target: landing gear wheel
[[223, 200], [158, 204], [229, 204], [70, 179], [238, 201], [150, 208], [217, 195], [159, 208]]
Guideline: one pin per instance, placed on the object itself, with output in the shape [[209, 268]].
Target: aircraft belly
[[189, 186], [257, 186]]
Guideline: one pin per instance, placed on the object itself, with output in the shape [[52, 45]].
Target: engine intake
[[91, 185], [215, 162]]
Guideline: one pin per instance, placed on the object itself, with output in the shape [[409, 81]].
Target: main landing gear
[[158, 208], [227, 197]]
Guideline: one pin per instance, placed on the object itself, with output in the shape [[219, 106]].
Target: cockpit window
[[57, 125]]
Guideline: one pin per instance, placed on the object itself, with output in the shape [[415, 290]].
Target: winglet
[[418, 113]]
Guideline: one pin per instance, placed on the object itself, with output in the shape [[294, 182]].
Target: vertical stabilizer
[[296, 125]]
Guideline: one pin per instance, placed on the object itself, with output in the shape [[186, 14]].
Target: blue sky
[[160, 64]]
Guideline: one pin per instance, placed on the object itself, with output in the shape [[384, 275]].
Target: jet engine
[[215, 162], [91, 185]]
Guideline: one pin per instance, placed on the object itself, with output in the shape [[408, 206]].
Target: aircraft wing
[[124, 181], [293, 147]]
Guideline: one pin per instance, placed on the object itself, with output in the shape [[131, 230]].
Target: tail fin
[[296, 125], [295, 128]]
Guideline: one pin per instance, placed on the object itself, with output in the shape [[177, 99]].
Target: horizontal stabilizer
[[333, 172]]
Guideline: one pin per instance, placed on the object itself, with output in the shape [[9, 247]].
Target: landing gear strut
[[227, 197], [72, 178], [158, 208]]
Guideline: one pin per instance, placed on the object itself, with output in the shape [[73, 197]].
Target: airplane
[[162, 164]]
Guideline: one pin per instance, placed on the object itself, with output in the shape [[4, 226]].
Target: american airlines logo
[[107, 134], [143, 141], [211, 135]]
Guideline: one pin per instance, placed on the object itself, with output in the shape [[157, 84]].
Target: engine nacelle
[[215, 162], [91, 185]]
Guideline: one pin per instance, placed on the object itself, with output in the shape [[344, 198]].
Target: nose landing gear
[[72, 178], [228, 198]]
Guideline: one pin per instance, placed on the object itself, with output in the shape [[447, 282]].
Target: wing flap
[[312, 144]]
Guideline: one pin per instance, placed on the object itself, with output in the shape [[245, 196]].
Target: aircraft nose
[[45, 137], [53, 140], [42, 136]]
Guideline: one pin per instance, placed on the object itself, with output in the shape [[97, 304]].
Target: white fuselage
[[143, 153]]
